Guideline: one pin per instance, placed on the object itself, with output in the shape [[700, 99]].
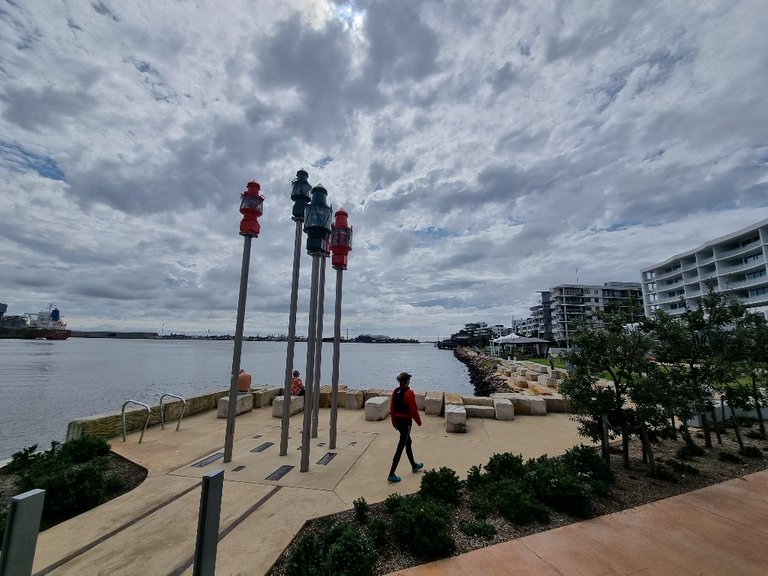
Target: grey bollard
[[208, 524], [21, 532]]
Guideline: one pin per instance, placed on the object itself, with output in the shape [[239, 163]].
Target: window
[[758, 292], [753, 275]]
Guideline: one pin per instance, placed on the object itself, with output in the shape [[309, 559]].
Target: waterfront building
[[560, 309], [735, 264]]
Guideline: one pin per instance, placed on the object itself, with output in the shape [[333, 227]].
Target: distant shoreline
[[363, 339]]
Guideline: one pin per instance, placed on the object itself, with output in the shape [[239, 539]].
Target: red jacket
[[410, 401]]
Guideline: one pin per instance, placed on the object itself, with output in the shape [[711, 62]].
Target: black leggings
[[403, 426]]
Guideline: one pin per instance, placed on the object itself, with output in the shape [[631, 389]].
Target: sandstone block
[[453, 398], [433, 403], [455, 418], [355, 399], [504, 408], [538, 407], [264, 395], [297, 405], [546, 380], [420, 400], [375, 392], [556, 403], [477, 411], [244, 404], [477, 400], [377, 408], [325, 397]]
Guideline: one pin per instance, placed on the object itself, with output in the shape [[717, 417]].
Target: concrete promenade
[[151, 530]]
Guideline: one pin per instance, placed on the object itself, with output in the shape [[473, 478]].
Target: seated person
[[297, 386], [243, 382]]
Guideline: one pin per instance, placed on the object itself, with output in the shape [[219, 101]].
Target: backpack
[[398, 401]]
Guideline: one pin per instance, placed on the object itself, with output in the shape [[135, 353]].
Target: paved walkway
[[151, 530]]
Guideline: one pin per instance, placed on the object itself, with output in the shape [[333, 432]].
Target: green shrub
[[334, 549], [361, 510], [755, 435], [22, 459], [442, 485], [483, 529], [393, 502], [555, 485], [730, 457], [422, 525], [475, 478], [586, 463], [483, 502], [600, 487], [84, 449], [664, 473], [751, 452], [517, 503], [505, 466], [377, 531]]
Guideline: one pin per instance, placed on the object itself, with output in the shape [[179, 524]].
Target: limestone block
[[377, 408], [476, 411], [556, 403], [538, 406], [420, 400], [325, 397], [520, 381], [355, 399], [376, 392], [559, 373], [297, 405], [477, 400], [504, 408], [523, 371], [453, 398], [455, 418], [545, 380], [244, 404], [433, 403], [263, 395]]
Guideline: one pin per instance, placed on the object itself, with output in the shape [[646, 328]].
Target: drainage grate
[[237, 468], [280, 472], [327, 458], [263, 447], [205, 461]]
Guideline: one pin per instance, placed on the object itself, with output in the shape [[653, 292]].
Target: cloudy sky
[[484, 151]]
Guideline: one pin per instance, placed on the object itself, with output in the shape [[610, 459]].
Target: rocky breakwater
[[525, 383]]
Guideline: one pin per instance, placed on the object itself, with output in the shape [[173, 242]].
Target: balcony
[[752, 247]]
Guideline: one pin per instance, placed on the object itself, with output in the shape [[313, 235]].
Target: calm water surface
[[44, 385]]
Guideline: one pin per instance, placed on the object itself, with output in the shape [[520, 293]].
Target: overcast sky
[[484, 151]]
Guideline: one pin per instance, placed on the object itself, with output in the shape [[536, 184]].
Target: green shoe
[[393, 478], [418, 467]]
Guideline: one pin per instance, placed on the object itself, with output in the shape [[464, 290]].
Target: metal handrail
[[183, 409], [122, 417]]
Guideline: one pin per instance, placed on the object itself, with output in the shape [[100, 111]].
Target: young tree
[[752, 344]]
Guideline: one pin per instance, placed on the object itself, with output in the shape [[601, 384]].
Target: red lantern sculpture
[[251, 207], [341, 240]]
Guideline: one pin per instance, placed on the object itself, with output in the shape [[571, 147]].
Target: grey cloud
[[45, 108]]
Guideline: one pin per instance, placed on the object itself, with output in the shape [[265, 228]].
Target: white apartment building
[[735, 264]]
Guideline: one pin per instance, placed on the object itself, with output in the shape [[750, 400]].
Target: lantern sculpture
[[251, 207], [341, 245], [300, 196]]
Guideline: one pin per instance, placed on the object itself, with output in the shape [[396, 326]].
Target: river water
[[44, 384]]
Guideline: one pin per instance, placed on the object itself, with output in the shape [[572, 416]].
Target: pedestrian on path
[[403, 412]]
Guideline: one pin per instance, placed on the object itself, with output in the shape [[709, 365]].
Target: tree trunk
[[674, 428], [736, 429], [648, 450], [606, 448], [717, 426], [705, 426], [757, 405], [625, 447]]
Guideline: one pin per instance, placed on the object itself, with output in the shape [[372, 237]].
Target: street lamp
[[341, 244], [300, 197], [251, 207], [317, 225]]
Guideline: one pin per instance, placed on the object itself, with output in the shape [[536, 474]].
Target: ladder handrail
[[183, 409], [122, 417]]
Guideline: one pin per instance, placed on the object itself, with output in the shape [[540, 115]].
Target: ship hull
[[35, 333]]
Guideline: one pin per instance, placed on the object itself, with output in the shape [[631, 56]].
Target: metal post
[[208, 524], [336, 354], [318, 348], [291, 341], [21, 531], [311, 332], [230, 437]]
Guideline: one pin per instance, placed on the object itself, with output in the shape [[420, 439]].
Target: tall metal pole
[[291, 341], [230, 437], [309, 393], [336, 354], [318, 348]]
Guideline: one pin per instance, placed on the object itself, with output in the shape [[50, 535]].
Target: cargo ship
[[45, 325]]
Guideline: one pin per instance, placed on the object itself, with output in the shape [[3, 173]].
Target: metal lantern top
[[300, 195], [251, 207], [317, 222], [341, 240]]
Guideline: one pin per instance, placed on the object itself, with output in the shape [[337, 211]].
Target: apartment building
[[735, 264], [560, 309]]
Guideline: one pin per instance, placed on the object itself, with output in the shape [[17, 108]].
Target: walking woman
[[403, 411]]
